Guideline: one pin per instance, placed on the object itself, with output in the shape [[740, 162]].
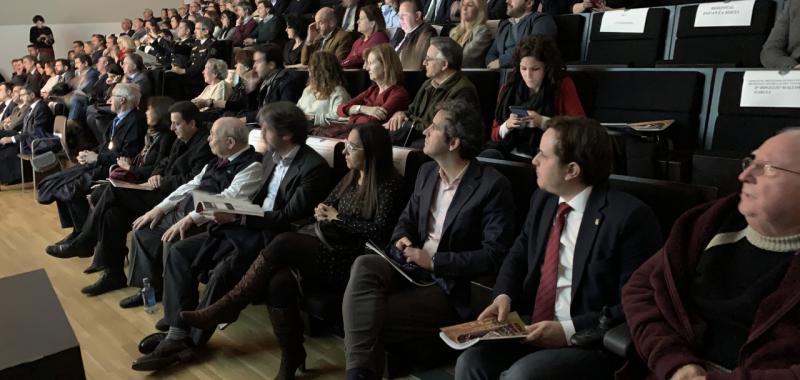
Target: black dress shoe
[[135, 300], [150, 342], [162, 325], [75, 248], [167, 353], [94, 268], [105, 284]]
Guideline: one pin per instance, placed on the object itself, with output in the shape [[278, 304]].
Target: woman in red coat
[[537, 91], [373, 32], [386, 96]]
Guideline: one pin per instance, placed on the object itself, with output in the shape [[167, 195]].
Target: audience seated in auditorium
[[227, 27], [54, 75], [85, 113], [578, 231], [126, 45], [269, 27], [34, 79], [7, 104], [116, 208], [237, 173], [37, 124], [324, 93], [582, 6], [20, 75], [185, 83], [472, 33], [123, 138], [411, 41], [217, 88], [279, 83], [373, 32], [133, 67], [12, 124], [538, 87], [324, 34], [720, 300], [138, 29], [523, 21], [437, 11], [298, 179], [126, 25], [782, 48], [98, 45], [296, 30], [457, 225], [445, 82], [95, 93], [385, 96], [245, 23], [347, 13], [85, 75]]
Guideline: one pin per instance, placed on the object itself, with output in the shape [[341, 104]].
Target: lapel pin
[[597, 221]]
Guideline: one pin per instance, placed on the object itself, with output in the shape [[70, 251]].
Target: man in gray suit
[[782, 49]]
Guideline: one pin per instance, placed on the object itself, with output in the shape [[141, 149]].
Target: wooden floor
[[109, 335]]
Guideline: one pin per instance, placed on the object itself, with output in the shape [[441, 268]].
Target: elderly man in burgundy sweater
[[721, 300]]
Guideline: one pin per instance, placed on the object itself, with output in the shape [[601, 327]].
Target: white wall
[[14, 40]]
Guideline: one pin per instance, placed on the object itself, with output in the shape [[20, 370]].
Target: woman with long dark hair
[[538, 90], [364, 206], [157, 143]]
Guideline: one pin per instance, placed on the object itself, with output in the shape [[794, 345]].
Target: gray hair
[[218, 67], [449, 50], [234, 128], [462, 121], [130, 92]]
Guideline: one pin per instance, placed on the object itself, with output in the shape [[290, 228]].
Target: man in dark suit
[[124, 138], [347, 15], [269, 28], [436, 11], [458, 225], [185, 83], [580, 243], [297, 180], [279, 83], [524, 20], [34, 78], [37, 124], [7, 104]]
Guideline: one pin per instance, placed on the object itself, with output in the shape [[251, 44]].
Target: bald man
[[324, 34], [298, 179], [720, 300]]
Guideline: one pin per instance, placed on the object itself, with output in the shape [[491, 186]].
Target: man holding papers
[[580, 243]]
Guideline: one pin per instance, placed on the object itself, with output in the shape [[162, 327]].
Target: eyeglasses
[[350, 148], [762, 168]]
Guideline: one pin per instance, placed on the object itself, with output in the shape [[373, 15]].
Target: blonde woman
[[325, 90], [472, 33]]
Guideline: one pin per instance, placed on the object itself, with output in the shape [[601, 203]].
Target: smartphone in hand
[[519, 111]]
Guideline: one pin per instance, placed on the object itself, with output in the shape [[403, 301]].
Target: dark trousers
[[381, 307], [512, 360]]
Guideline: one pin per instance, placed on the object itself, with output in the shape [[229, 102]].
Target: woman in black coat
[[41, 37], [157, 143]]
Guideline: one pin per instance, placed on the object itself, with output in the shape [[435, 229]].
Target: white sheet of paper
[[771, 89], [624, 21], [733, 13]]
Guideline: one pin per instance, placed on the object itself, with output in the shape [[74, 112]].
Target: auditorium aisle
[[108, 335]]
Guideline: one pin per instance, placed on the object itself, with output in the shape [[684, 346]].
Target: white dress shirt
[[566, 254], [281, 167], [243, 186]]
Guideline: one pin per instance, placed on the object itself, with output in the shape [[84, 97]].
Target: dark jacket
[[126, 141], [664, 328], [617, 233], [185, 160], [159, 151], [503, 48], [423, 108], [141, 80], [37, 124], [277, 87], [442, 14], [478, 227], [413, 50], [270, 31]]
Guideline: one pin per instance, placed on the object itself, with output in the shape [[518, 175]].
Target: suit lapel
[[425, 201], [293, 171], [590, 224], [465, 190]]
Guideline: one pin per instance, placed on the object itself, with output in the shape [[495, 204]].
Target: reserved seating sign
[[624, 21], [730, 13], [766, 88]]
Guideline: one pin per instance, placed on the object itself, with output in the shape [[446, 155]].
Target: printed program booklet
[[412, 272], [207, 204], [468, 334]]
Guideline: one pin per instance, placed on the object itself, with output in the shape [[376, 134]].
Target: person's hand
[[89, 157], [324, 212], [514, 121], [546, 334], [313, 32], [418, 256], [201, 103], [239, 21], [396, 121], [535, 120], [178, 230], [689, 372], [249, 42], [499, 309], [150, 218], [124, 162], [402, 243], [224, 217], [6, 140], [494, 64], [154, 181], [379, 113]]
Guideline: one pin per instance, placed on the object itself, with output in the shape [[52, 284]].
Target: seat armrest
[[618, 341]]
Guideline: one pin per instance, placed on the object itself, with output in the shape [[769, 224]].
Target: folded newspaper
[[466, 335], [207, 204], [127, 185]]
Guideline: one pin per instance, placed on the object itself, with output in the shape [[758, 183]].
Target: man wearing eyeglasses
[[187, 83], [720, 300]]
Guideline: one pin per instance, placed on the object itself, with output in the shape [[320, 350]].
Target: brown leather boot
[[227, 308], [288, 328]]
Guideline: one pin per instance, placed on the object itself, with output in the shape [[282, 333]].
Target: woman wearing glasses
[[363, 206]]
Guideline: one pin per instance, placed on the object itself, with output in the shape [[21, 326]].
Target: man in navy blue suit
[[580, 243]]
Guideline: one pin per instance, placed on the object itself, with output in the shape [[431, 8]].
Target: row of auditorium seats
[[323, 307]]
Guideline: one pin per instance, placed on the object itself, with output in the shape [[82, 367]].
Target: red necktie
[[544, 308]]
